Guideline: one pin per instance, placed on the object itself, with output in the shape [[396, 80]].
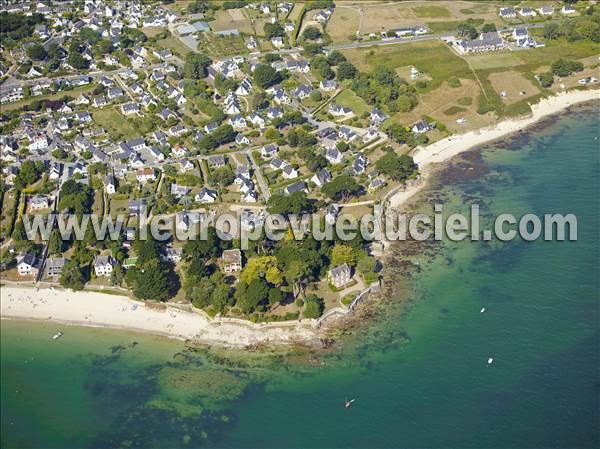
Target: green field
[[349, 99], [432, 57], [431, 11], [114, 123], [176, 46]]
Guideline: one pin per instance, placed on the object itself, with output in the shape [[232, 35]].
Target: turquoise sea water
[[420, 376]]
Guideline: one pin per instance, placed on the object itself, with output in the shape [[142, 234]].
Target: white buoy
[[490, 361], [482, 310]]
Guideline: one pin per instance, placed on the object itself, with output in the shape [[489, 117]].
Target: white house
[[339, 111], [109, 185], [103, 265], [27, 265], [269, 150], [145, 174], [321, 178], [206, 195]]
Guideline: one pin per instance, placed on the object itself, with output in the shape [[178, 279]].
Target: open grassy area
[[431, 57], [349, 99], [343, 24], [118, 207], [176, 46], [98, 205], [447, 104], [431, 11], [152, 31], [513, 84], [295, 12], [114, 123]]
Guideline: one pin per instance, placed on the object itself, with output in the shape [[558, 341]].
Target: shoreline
[[92, 309], [101, 310], [444, 150]]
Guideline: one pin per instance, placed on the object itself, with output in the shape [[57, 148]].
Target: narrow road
[[262, 183]]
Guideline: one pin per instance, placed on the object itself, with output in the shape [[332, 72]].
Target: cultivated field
[[513, 84], [218, 46], [378, 17]]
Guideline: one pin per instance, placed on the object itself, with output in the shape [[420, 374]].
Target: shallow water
[[420, 376]]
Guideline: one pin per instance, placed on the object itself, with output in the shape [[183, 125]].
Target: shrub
[[454, 82]]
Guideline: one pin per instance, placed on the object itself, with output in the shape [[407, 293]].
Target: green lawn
[[114, 123], [349, 99], [176, 46], [431, 11]]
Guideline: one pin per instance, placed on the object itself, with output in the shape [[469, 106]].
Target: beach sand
[[104, 310], [445, 149]]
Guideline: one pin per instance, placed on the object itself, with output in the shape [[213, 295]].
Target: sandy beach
[[445, 149], [120, 312]]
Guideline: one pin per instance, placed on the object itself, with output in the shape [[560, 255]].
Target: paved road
[[408, 40]]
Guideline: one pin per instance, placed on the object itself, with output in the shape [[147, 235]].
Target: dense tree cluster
[[223, 134], [585, 27], [76, 197], [341, 188], [273, 30], [151, 278], [398, 168], [565, 67], [296, 203], [195, 66], [14, 27], [266, 76], [385, 89]]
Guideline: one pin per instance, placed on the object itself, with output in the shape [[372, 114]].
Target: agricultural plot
[[219, 46], [377, 17], [232, 18]]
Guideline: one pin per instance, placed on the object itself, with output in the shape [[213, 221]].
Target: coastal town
[[181, 110]]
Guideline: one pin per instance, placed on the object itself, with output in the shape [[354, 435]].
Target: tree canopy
[[342, 187], [265, 75], [398, 168]]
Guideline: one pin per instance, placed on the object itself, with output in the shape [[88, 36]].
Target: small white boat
[[57, 336], [349, 403], [490, 361], [482, 310]]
